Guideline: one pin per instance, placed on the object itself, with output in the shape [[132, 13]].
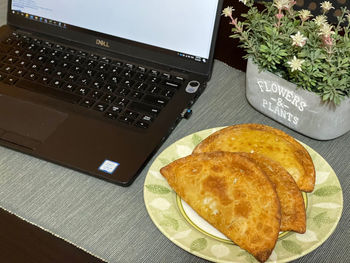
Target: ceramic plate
[[178, 222]]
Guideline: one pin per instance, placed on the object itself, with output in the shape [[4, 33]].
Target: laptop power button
[[192, 86]]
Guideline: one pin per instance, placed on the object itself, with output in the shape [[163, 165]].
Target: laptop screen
[[184, 27]]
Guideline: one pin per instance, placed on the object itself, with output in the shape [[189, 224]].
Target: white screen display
[[184, 26]]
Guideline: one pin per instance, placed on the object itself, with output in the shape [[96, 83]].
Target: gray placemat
[[110, 221]]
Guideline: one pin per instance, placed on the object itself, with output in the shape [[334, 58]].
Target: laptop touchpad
[[25, 123]]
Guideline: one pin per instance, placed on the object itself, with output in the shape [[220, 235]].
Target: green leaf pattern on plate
[[158, 189], [327, 191], [170, 222], [164, 161], [196, 139], [322, 219], [199, 244], [292, 247], [323, 211]]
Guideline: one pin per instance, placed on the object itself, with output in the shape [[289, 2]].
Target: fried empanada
[[271, 142], [233, 194], [293, 215]]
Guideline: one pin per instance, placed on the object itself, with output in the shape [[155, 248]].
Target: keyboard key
[[52, 62], [154, 72], [10, 80], [69, 87], [87, 103], [171, 84], [32, 75], [34, 67], [122, 102], [140, 86], [100, 107], [166, 75], [128, 74], [157, 101], [95, 94], [141, 76], [110, 88], [79, 60], [141, 69], [83, 91], [141, 107], [108, 98], [142, 124], [127, 83], [131, 114], [56, 83], [84, 81], [136, 95], [147, 118], [8, 68], [67, 56], [115, 70], [19, 72], [41, 59], [90, 72], [64, 65], [123, 92], [10, 60], [58, 74], [154, 89], [115, 79], [44, 79], [154, 80], [112, 115], [126, 119], [103, 67], [115, 109], [46, 70], [77, 69], [17, 52], [71, 77], [167, 93], [22, 63], [101, 76]]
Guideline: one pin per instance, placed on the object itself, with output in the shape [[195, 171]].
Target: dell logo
[[102, 43]]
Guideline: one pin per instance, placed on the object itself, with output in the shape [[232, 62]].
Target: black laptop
[[97, 86]]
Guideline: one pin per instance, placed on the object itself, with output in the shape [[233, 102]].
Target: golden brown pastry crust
[[293, 216], [233, 194], [268, 141]]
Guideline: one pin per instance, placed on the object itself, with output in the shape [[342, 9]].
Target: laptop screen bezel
[[121, 46]]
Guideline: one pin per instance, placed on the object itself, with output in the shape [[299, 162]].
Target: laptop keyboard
[[119, 91]]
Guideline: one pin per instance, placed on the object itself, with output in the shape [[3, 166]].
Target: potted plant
[[298, 70]]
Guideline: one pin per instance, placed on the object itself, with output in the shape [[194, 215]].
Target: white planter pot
[[298, 109]]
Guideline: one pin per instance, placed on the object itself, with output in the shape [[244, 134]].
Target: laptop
[[97, 86]]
